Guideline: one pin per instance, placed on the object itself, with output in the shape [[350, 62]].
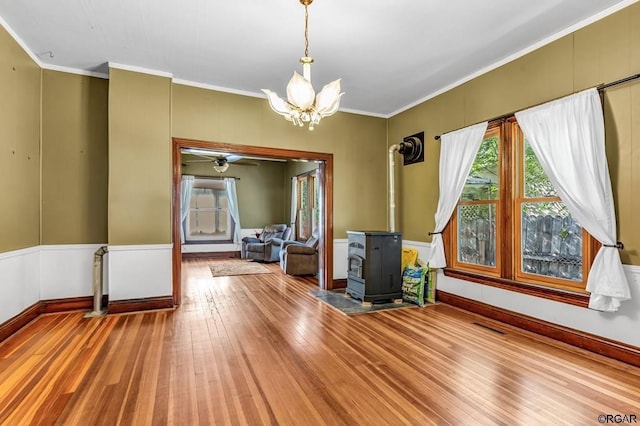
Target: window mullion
[[505, 202]]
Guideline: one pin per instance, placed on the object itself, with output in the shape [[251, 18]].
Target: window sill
[[571, 298]]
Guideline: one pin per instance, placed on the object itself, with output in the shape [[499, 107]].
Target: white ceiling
[[390, 54]]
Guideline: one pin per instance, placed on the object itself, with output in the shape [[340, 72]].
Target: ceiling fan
[[220, 160]]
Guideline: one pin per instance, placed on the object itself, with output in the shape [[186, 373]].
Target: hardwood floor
[[261, 350]]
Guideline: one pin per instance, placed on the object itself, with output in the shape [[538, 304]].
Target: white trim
[[140, 247], [20, 42], [590, 20], [369, 114], [218, 88], [260, 95], [78, 71], [64, 247], [422, 244], [140, 70], [19, 252]]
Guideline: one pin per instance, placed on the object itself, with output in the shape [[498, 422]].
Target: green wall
[[260, 189], [20, 83], [74, 158], [602, 52], [139, 158], [357, 142], [144, 111]]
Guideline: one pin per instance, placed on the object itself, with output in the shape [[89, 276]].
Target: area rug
[[227, 268], [350, 306]]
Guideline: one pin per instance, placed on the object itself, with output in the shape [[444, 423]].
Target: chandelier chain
[[306, 30]]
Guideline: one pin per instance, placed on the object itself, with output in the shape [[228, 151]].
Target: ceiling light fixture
[[303, 105], [220, 165]]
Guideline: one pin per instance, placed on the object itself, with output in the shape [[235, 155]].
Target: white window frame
[[217, 185]]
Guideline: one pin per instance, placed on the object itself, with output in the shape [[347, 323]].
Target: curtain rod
[[493, 120], [615, 83], [600, 89]]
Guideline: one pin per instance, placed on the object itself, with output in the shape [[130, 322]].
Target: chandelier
[[303, 105]]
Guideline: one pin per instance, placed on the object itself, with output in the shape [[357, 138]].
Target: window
[[308, 213], [209, 219], [510, 226]]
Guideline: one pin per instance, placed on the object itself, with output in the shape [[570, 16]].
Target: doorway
[[325, 181]]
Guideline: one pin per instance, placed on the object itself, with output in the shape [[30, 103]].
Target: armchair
[[266, 248], [298, 258]]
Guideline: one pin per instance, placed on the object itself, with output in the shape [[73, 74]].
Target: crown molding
[[590, 20], [20, 42], [141, 70]]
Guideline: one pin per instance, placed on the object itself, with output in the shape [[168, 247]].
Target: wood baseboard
[[145, 304], [600, 345], [65, 305], [339, 283], [212, 255], [14, 324], [85, 303], [50, 306]]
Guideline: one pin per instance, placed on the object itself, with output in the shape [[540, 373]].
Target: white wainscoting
[[209, 248], [19, 281], [422, 247], [67, 270], [139, 271], [340, 258], [621, 326], [51, 272]]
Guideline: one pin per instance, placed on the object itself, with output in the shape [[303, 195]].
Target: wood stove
[[374, 270]]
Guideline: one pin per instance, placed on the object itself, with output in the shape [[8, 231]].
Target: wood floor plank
[[250, 350]]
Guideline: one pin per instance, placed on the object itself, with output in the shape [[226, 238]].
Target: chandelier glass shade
[[303, 105]]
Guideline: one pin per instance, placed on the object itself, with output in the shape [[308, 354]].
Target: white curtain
[[232, 199], [567, 136], [294, 206], [457, 152], [185, 199]]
